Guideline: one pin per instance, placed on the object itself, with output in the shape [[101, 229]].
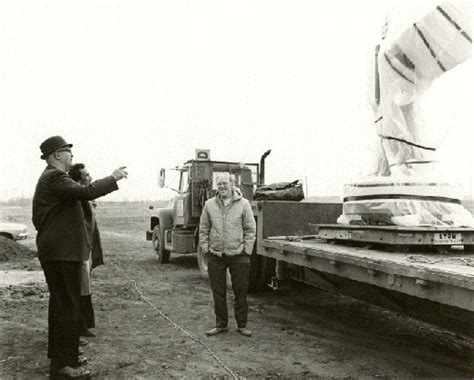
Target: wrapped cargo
[[421, 41], [281, 191]]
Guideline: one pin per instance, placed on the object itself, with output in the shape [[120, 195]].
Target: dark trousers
[[239, 273], [64, 315], [87, 313]]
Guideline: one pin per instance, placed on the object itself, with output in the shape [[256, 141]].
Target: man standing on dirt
[[227, 234], [62, 247]]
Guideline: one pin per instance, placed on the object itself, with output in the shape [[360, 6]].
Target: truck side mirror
[[161, 178]]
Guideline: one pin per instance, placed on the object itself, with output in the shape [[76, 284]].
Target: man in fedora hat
[[63, 245]]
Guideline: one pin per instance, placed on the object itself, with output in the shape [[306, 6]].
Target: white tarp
[[421, 41]]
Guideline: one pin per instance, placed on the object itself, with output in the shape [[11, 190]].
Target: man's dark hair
[[75, 171]]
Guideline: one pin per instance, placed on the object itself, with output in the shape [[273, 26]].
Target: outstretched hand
[[120, 173]]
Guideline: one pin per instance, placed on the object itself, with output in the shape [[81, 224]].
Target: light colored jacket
[[227, 229]]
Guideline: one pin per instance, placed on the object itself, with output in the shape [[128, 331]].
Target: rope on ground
[[427, 260], [174, 324]]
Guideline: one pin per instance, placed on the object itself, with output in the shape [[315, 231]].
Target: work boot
[[216, 330], [244, 331], [70, 373], [83, 342], [82, 360], [88, 333]]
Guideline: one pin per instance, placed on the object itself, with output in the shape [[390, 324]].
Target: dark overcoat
[[97, 254], [59, 217]]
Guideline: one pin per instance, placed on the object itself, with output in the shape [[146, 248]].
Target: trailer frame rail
[[449, 281]]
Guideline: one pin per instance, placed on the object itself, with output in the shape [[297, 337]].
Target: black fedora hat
[[52, 144]]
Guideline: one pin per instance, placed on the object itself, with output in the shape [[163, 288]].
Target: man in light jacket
[[227, 234]]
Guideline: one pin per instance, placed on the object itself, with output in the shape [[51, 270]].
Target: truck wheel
[[158, 245]]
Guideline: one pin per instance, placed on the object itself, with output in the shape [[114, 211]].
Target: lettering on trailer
[[447, 238]]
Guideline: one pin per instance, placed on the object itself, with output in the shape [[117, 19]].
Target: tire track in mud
[[173, 323]]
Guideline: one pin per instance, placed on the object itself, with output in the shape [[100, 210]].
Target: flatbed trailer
[[446, 279], [424, 283]]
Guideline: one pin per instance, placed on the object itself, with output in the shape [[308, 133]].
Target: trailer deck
[[402, 238], [447, 279]]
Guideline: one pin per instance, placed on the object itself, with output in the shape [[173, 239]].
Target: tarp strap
[[396, 70], [428, 46], [454, 23], [407, 142], [413, 163], [401, 196]]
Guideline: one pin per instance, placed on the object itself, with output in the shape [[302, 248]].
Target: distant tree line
[[17, 201], [26, 202]]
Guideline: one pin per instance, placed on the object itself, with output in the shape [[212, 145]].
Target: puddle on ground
[[20, 277]]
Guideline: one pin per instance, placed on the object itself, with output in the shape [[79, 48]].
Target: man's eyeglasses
[[64, 150]]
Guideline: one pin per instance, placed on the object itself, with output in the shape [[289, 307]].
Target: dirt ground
[[151, 320]]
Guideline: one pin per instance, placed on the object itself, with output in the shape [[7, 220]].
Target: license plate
[[447, 238]]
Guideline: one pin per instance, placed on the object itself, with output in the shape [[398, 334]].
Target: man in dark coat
[[63, 245], [97, 254], [79, 173]]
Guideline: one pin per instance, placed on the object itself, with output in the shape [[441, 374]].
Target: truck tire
[[158, 245]]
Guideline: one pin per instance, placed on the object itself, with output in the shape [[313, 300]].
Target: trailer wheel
[[157, 239]]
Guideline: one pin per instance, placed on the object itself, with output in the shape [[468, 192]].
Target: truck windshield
[[183, 180]]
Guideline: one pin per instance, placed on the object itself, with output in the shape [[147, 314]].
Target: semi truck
[[425, 273], [174, 228], [402, 241]]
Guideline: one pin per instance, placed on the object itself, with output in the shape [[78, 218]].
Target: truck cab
[[174, 228]]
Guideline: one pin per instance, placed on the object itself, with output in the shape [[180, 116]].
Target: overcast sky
[[144, 83]]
